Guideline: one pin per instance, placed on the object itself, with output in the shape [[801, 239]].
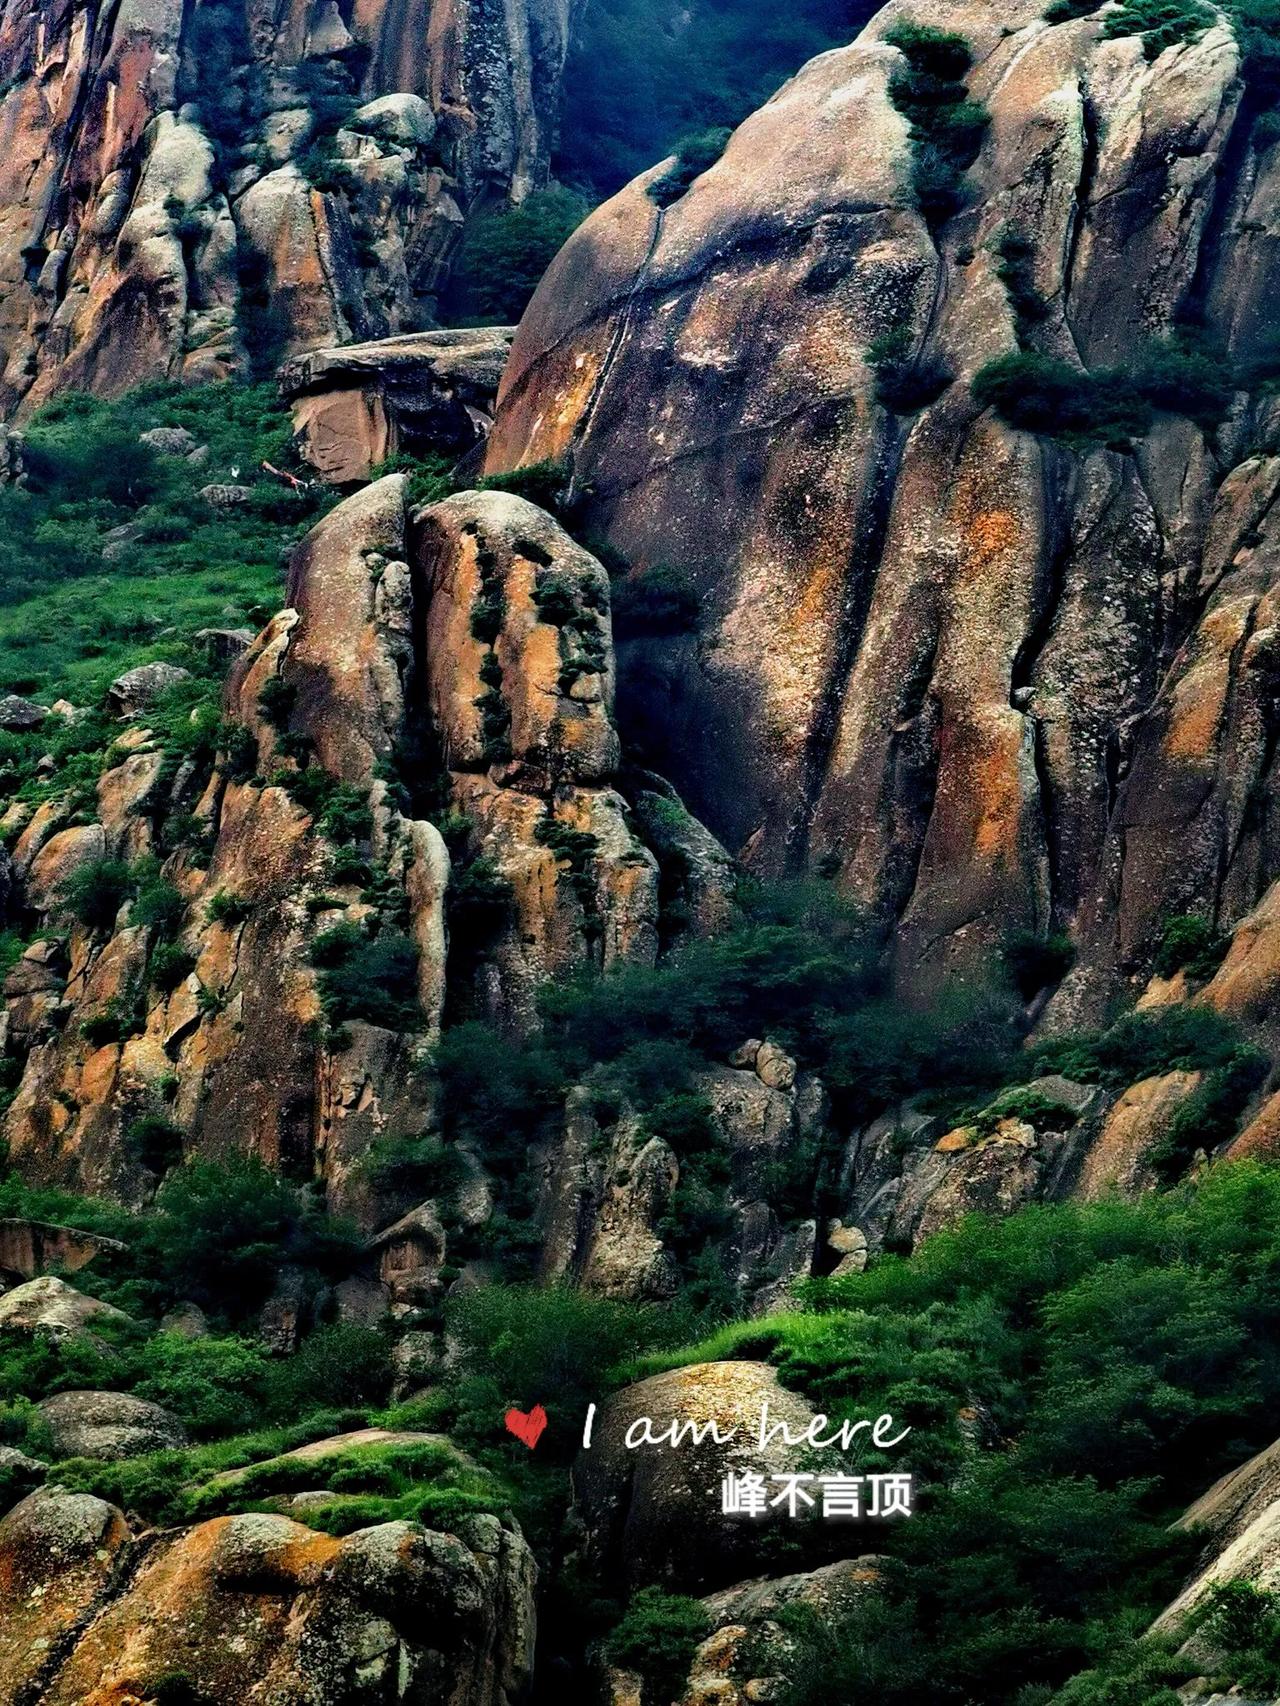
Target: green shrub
[[341, 1365], [370, 978], [1035, 962], [421, 1167], [215, 1386], [217, 1234], [95, 891], [694, 155], [170, 964], [905, 382], [276, 701], [227, 908], [1144, 1045], [116, 1021], [72, 446], [1040, 394], [1180, 378], [1160, 23], [946, 128], [660, 600], [1192, 944], [657, 1637], [1016, 271], [155, 1142], [158, 904]]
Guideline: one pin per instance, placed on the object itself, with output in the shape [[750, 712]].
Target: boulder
[[1239, 1522], [358, 404], [260, 1608], [109, 1425], [29, 1248], [49, 1305], [138, 688], [404, 119], [170, 441], [18, 715], [639, 1507]]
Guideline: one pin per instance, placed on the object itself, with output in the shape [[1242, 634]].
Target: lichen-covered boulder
[[109, 1425], [260, 1609]]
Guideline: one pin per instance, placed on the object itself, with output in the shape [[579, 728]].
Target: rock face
[[355, 406], [190, 189], [998, 683], [451, 663], [258, 1608], [1239, 1519]]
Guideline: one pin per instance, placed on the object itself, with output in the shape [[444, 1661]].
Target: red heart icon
[[528, 1429]]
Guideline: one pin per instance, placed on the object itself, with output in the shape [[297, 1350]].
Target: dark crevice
[[1080, 216]]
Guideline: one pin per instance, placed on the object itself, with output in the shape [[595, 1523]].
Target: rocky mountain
[[739, 875], [1005, 679], [190, 189]]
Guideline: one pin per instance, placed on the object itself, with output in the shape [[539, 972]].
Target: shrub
[[217, 1234], [276, 701], [95, 891], [1192, 944], [370, 978], [694, 155], [1181, 379], [422, 1167], [215, 1386], [1143, 1045], [227, 908], [155, 1142], [1161, 23], [341, 1365], [116, 1021], [77, 447], [657, 1637], [170, 965], [905, 382], [158, 904], [946, 128], [660, 600], [1035, 962], [1040, 394]]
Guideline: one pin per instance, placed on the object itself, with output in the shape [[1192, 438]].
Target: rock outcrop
[[190, 190], [449, 665], [358, 405], [258, 1608], [998, 682]]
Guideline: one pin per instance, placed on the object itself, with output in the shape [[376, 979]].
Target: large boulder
[[1238, 1520], [639, 1506], [137, 688], [358, 404], [109, 1425], [259, 1609], [49, 1305]]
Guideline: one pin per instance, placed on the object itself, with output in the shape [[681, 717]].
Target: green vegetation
[[641, 75], [373, 977], [504, 254], [694, 155], [1040, 394], [657, 1637], [1119, 1355], [1192, 944], [947, 128], [906, 381], [70, 620]]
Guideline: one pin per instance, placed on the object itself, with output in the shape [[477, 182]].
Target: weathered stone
[[51, 1306], [138, 688], [18, 715], [639, 1507], [260, 1606], [109, 1425], [28, 1248], [358, 404]]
